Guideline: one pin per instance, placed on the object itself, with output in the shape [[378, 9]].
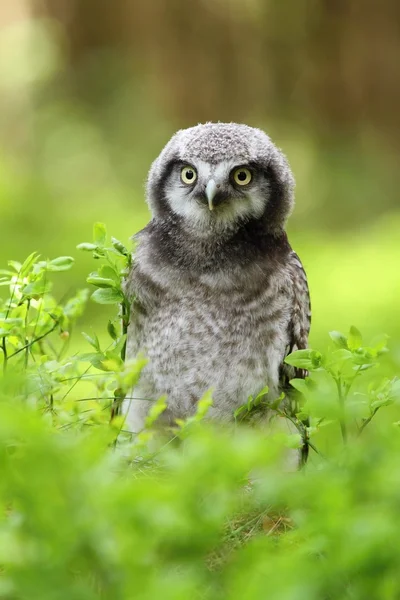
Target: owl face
[[219, 176], [216, 194]]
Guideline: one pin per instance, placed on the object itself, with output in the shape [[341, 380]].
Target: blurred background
[[90, 91]]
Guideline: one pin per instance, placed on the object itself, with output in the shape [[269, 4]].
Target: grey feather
[[219, 297]]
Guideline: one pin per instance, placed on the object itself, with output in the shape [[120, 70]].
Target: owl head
[[219, 176]]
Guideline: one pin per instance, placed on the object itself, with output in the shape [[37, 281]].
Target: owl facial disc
[[216, 177]]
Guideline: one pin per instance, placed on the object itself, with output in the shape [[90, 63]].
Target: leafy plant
[[116, 261], [30, 315], [337, 372]]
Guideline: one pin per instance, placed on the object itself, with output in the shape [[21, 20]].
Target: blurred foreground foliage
[[81, 522], [89, 511]]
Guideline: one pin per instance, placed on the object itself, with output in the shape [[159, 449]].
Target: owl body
[[218, 296]]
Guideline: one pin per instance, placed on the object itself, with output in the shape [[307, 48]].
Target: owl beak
[[211, 190]]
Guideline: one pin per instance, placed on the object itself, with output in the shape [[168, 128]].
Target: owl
[[219, 298]]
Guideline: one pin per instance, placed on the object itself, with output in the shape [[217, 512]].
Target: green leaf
[[300, 385], [117, 245], [157, 408], [204, 404], [130, 376], [61, 263], [93, 341], [263, 393], [37, 288], [28, 264], [379, 343], [112, 331], [395, 389], [354, 339], [107, 296], [99, 234], [302, 359], [339, 339], [112, 363], [239, 411], [381, 402], [109, 272], [75, 306], [95, 359], [119, 344], [15, 265], [275, 404], [364, 367], [361, 356], [87, 246], [13, 321], [250, 401], [100, 282], [341, 355], [316, 359]]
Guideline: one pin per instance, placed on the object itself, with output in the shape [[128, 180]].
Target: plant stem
[[34, 341], [26, 338], [367, 421], [5, 356], [342, 419], [125, 324], [119, 395]]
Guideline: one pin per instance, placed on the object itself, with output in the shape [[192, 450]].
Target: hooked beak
[[211, 190]]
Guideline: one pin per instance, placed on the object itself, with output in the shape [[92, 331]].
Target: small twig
[[275, 526], [109, 398], [32, 342], [77, 380], [367, 421], [5, 357]]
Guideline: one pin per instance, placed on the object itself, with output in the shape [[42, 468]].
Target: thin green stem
[[367, 421], [41, 337], [5, 356], [125, 324], [119, 394], [28, 305], [342, 419]]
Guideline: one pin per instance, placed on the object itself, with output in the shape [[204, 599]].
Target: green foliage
[[330, 390], [80, 522], [85, 517], [33, 326], [109, 279]]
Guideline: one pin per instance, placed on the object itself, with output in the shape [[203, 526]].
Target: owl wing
[[298, 330], [300, 321]]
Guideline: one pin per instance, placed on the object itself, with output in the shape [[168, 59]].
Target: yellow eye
[[242, 176], [188, 175]]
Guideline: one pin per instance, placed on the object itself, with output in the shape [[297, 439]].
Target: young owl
[[219, 298]]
